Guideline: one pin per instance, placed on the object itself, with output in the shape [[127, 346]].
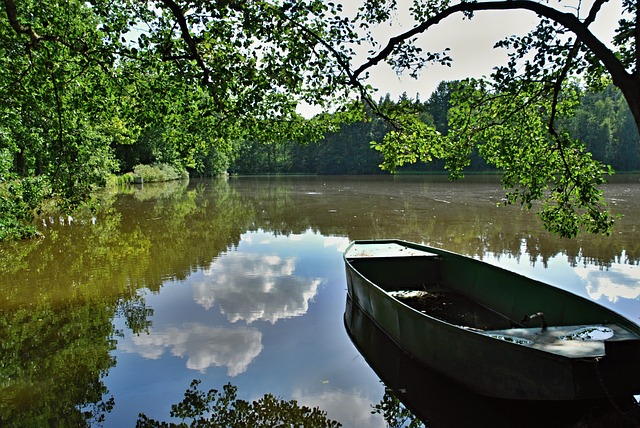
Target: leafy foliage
[[92, 88], [512, 119], [95, 87], [512, 134], [19, 199], [158, 172], [224, 409]]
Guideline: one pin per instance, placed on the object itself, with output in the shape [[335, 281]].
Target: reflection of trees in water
[[53, 361], [224, 409], [395, 414], [59, 294], [136, 314], [142, 241], [185, 230], [460, 217], [132, 243]]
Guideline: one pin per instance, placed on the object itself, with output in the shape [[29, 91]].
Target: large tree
[[218, 68], [513, 117], [84, 82], [83, 77]]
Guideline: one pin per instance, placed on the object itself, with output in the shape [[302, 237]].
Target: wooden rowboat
[[497, 332]]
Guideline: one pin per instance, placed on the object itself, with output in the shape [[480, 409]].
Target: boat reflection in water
[[438, 401], [443, 307]]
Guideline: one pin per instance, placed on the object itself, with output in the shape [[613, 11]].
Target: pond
[[241, 281]]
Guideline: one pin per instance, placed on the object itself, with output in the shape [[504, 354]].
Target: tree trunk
[[630, 88], [19, 163]]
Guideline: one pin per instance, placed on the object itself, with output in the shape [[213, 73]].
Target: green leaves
[[19, 200], [512, 133], [413, 141], [543, 169], [94, 87]]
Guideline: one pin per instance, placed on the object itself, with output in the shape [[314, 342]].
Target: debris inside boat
[[454, 308]]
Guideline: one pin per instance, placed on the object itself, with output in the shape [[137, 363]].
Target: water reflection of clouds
[[341, 243], [350, 408], [262, 279], [204, 346], [617, 282], [255, 286]]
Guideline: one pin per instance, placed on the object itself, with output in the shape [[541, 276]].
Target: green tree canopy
[[93, 86], [512, 117]]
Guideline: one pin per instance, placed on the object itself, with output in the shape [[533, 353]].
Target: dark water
[[242, 281]]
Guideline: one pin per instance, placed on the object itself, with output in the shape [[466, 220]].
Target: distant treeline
[[602, 121]]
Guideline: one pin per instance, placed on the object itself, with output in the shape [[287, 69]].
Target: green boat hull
[[515, 361]]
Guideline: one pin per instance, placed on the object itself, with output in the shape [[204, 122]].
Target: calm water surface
[[242, 281]]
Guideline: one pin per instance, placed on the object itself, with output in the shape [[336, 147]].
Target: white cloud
[[339, 242], [255, 286], [617, 282], [202, 345]]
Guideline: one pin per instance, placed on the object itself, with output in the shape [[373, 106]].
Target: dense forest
[[602, 121]]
